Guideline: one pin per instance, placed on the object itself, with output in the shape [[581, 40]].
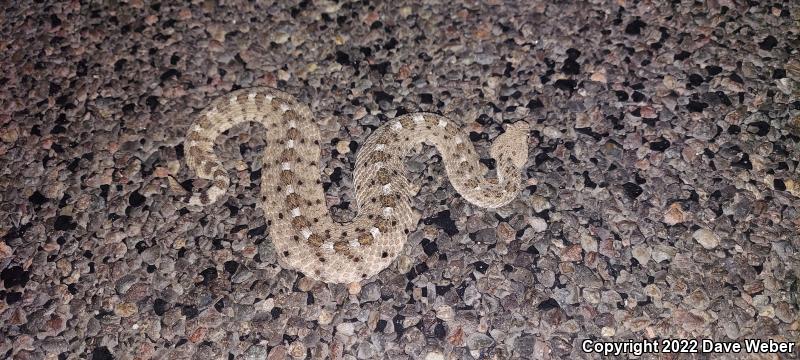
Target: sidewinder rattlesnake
[[305, 237]]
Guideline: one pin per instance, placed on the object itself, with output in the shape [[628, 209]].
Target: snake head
[[512, 144]]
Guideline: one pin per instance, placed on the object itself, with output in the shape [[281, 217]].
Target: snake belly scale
[[305, 237]]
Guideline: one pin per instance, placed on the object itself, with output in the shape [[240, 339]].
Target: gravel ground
[[661, 200]]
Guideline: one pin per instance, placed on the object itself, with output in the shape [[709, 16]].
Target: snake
[[305, 237]]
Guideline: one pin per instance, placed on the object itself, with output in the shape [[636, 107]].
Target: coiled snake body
[[305, 237]]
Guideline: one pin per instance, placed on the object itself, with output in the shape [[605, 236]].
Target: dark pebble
[[439, 331], [171, 73], [381, 68], [696, 106], [54, 20], [209, 275], [635, 27], [571, 67], [136, 199], [37, 198], [683, 55], [565, 84], [443, 220], [426, 98], [534, 104], [779, 185], [257, 231], [660, 144], [102, 353], [743, 163], [695, 79], [231, 266], [381, 325], [160, 306], [768, 43], [481, 266], [548, 304], [14, 276], [276, 312], [383, 96], [342, 58], [632, 190], [13, 296], [64, 222], [152, 102], [713, 70], [429, 247], [190, 311], [760, 128]]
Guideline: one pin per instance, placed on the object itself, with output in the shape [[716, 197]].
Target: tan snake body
[[305, 237]]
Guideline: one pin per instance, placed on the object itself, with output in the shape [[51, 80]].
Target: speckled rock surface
[[662, 184]]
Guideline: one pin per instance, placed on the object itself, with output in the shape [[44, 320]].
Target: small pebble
[[354, 288], [343, 147], [607, 331], [125, 309], [706, 238], [325, 317], [674, 214], [346, 328], [434, 355], [538, 224], [641, 253]]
